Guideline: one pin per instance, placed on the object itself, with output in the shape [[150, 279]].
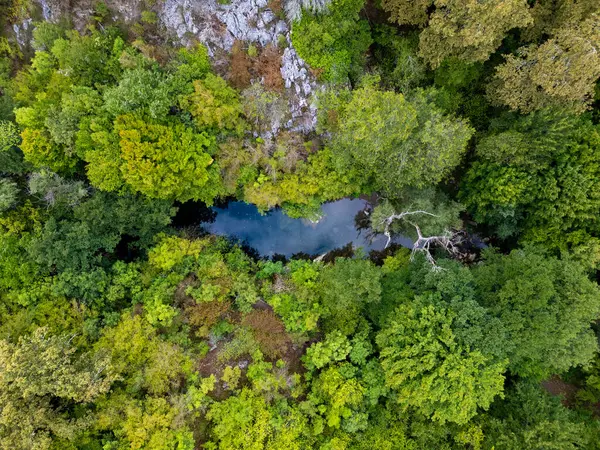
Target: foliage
[[536, 176], [423, 147], [561, 72], [398, 59], [530, 418], [440, 214], [38, 373], [347, 288], [56, 191], [433, 371], [333, 41], [407, 12], [11, 159], [8, 194], [470, 30], [546, 305], [214, 104], [166, 162], [124, 325], [240, 422]]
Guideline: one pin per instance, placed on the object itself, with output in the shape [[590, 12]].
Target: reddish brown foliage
[[268, 66], [269, 332], [205, 315], [240, 66], [276, 7], [181, 298]]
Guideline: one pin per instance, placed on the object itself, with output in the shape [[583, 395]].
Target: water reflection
[[276, 233]]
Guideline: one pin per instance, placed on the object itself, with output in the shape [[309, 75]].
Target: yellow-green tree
[[396, 142], [40, 376], [167, 162], [561, 72], [468, 29], [431, 370]]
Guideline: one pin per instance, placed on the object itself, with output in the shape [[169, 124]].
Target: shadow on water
[[190, 214]]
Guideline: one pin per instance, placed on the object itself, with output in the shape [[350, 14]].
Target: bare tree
[[448, 240]]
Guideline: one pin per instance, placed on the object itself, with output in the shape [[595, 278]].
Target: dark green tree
[[546, 306]]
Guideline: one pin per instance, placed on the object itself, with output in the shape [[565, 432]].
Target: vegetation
[[123, 328]]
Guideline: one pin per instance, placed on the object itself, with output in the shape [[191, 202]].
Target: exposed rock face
[[218, 25], [301, 84], [23, 32], [177, 16]]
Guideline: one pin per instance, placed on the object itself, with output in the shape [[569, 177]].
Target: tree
[[561, 72], [407, 11], [63, 119], [167, 162], [139, 90], [94, 230], [9, 192], [41, 151], [431, 370], [63, 245], [538, 176], [397, 58], [148, 423], [240, 422], [426, 216], [214, 105], [91, 58], [333, 41], [6, 86], [128, 214], [45, 34], [347, 288], [337, 398], [551, 15], [172, 250], [55, 191], [143, 360], [531, 418], [11, 158], [398, 142], [546, 306], [40, 376], [470, 30]]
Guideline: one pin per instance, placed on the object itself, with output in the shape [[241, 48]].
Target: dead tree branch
[[446, 240]]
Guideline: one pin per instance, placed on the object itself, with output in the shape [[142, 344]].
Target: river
[[275, 233]]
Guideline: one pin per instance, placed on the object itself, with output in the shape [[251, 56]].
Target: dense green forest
[[124, 328]]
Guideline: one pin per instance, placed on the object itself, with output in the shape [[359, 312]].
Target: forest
[[124, 326]]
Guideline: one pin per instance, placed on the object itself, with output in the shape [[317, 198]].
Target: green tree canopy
[[467, 29], [164, 162], [431, 370], [397, 142], [39, 377], [333, 41], [538, 175], [532, 418], [546, 306]]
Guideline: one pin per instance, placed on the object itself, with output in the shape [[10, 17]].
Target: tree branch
[[423, 243], [388, 221]]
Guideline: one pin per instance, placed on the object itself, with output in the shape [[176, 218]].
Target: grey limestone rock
[[218, 26]]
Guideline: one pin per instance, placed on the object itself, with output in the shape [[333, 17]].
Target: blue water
[[275, 232]]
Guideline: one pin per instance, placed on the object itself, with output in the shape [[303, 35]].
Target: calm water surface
[[275, 232]]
